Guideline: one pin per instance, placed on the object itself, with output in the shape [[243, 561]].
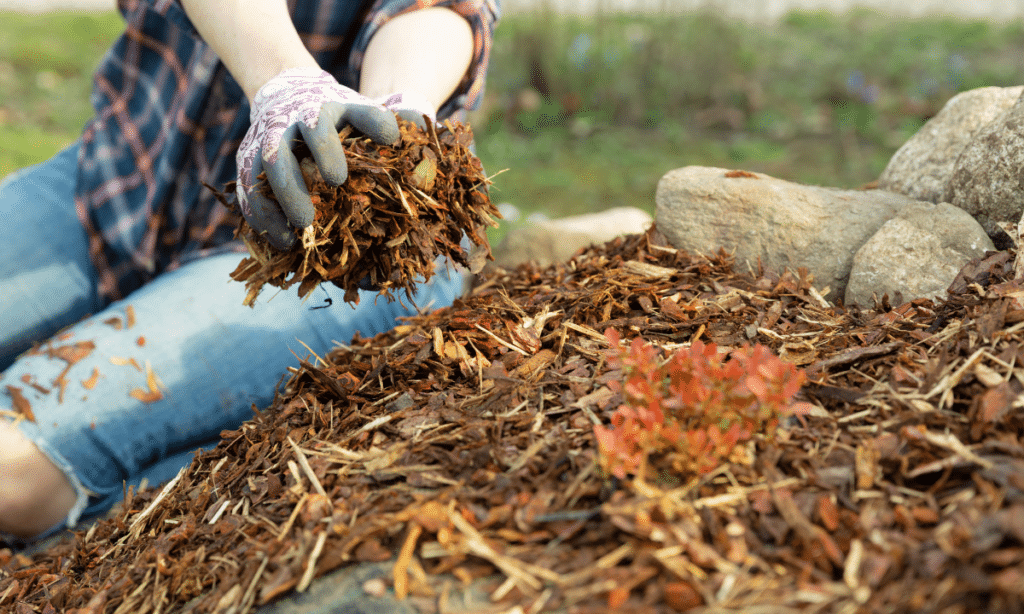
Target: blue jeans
[[215, 358]]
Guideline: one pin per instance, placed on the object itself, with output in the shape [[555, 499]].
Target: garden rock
[[342, 591], [923, 166], [549, 241], [988, 179], [776, 223], [917, 254]]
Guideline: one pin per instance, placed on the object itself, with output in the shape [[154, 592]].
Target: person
[[124, 344]]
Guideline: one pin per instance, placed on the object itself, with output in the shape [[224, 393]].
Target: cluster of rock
[[547, 241], [939, 204]]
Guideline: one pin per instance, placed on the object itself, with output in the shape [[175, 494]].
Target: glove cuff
[[408, 102], [289, 81]]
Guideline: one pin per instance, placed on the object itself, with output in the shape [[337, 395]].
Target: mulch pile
[[402, 207], [461, 443]]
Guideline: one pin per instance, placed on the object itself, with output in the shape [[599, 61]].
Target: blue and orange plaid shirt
[[169, 118]]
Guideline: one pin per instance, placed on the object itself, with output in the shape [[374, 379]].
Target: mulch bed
[[461, 443]]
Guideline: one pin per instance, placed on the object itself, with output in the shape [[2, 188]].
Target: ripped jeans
[[122, 403]]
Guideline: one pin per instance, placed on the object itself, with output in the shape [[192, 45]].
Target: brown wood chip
[[460, 445], [400, 209]]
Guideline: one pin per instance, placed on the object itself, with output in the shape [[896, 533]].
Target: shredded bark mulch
[[401, 208], [461, 443]]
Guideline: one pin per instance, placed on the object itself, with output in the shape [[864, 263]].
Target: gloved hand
[[305, 103]]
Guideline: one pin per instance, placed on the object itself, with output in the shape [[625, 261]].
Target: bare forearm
[[426, 51], [255, 39]]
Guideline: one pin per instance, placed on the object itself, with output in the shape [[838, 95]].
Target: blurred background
[[590, 102]]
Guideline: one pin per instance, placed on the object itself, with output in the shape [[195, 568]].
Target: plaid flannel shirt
[[169, 117]]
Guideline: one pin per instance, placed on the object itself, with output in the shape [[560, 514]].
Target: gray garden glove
[[310, 104]]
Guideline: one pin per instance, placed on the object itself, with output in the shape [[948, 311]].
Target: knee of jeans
[[18, 510], [28, 511], [34, 493]]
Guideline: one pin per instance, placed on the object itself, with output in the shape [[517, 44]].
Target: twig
[[304, 463], [307, 576], [502, 341], [152, 506]]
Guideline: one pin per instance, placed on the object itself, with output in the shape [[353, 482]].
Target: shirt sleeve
[[482, 16]]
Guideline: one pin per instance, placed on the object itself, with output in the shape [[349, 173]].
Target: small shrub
[[693, 410]]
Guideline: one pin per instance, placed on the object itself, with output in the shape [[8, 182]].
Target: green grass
[[46, 65], [819, 98]]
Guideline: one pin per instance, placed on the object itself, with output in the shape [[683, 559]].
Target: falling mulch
[[461, 443], [401, 207]]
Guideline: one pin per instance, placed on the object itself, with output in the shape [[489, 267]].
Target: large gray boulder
[[771, 221], [988, 177], [549, 241], [923, 166], [917, 254]]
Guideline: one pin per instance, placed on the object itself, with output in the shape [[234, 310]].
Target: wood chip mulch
[[461, 443], [402, 207]]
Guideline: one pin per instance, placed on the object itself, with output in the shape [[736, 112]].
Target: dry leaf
[[73, 353], [146, 396], [90, 383], [153, 383], [21, 404], [121, 362]]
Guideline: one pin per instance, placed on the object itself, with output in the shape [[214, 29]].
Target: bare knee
[[34, 493]]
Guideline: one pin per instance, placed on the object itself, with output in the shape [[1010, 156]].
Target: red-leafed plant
[[693, 410]]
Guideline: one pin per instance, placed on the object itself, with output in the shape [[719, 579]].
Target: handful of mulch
[[401, 207]]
